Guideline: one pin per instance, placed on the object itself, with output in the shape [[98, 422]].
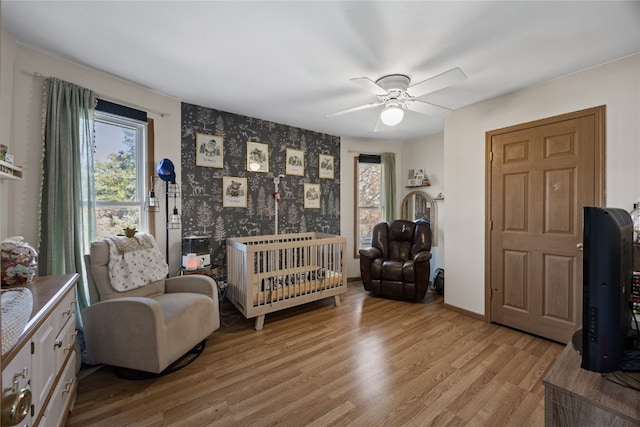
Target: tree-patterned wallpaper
[[202, 191]]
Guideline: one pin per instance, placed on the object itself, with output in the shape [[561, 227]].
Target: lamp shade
[[174, 219], [392, 115]]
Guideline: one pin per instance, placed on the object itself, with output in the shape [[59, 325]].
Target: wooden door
[[541, 175]]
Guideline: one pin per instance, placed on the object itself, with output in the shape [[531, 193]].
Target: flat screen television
[[607, 278]]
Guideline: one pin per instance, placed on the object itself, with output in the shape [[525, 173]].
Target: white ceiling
[[290, 61]]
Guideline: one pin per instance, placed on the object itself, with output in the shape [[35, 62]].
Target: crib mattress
[[269, 288]]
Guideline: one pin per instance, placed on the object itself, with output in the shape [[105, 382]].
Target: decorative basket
[[19, 262], [16, 304]]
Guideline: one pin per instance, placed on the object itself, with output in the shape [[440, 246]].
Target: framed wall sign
[[295, 162], [209, 150], [234, 192], [325, 166], [257, 157], [311, 196]]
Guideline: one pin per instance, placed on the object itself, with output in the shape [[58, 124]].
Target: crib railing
[[269, 273]]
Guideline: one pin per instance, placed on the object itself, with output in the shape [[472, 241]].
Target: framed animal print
[[311, 196], [234, 192], [295, 162], [257, 157], [209, 150], [326, 165]]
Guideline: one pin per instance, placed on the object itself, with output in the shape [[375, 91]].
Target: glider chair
[[137, 318], [397, 265]]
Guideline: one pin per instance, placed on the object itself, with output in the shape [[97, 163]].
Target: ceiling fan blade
[[370, 86], [448, 78], [358, 108], [378, 127], [427, 108]]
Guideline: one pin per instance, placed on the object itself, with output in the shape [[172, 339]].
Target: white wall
[[616, 85], [428, 154], [26, 140], [7, 55], [350, 148]]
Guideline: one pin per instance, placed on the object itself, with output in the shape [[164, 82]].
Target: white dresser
[[43, 362]]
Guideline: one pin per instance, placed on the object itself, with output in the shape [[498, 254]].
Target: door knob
[[580, 246]]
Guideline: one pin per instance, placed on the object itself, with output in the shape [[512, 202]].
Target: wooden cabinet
[[576, 397], [46, 353], [15, 380]]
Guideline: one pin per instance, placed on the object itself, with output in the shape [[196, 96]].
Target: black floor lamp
[[166, 172]]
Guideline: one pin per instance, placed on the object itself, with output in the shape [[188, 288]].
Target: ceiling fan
[[396, 95]]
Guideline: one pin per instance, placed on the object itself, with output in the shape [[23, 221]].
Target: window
[[368, 198], [119, 173]]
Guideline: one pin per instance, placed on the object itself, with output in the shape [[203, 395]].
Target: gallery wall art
[[230, 192]]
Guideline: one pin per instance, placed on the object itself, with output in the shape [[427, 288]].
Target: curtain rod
[[361, 152], [106, 98]]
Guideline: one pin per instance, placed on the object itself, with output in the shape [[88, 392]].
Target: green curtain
[[67, 203], [388, 161]]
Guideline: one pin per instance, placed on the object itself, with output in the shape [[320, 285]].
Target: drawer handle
[[15, 407], [13, 388], [58, 344], [67, 312], [67, 386], [23, 374]]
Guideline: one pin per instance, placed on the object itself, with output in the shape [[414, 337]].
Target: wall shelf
[[9, 171]]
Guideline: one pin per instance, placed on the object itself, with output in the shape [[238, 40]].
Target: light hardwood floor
[[368, 362]]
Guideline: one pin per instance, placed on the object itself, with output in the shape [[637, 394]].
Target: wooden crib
[[270, 273]]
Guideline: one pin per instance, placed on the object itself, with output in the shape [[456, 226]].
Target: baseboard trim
[[465, 312], [353, 279]]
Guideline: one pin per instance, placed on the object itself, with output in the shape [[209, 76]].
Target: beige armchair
[[150, 327]]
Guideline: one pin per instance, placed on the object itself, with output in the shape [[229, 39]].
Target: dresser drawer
[[65, 311], [43, 360], [59, 404], [52, 343], [65, 342]]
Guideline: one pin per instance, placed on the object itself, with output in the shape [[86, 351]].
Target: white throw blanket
[[134, 262]]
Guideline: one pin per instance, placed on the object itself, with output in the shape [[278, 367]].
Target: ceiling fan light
[[392, 115]]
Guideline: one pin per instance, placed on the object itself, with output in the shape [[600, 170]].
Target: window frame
[[144, 147], [356, 204]]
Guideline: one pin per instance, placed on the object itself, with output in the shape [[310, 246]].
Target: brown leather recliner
[[398, 263]]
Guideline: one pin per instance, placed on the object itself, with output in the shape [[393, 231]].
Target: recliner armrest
[[105, 321], [422, 256], [194, 283], [371, 253], [125, 310]]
